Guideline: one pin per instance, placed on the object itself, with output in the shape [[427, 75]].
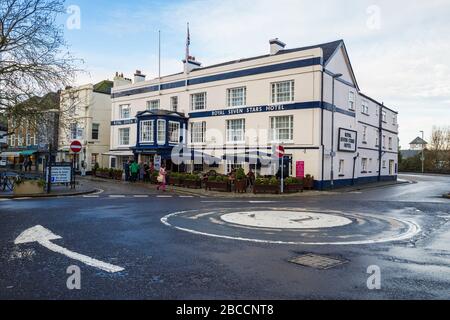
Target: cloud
[[401, 60]]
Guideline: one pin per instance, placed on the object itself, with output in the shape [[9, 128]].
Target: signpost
[[75, 147], [280, 152], [60, 173]]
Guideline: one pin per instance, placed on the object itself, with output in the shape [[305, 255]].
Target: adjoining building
[[306, 99], [86, 117], [30, 136]]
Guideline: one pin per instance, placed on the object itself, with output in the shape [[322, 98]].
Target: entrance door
[[391, 167]]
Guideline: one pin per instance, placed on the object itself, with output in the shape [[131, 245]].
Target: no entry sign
[[75, 146], [279, 151]]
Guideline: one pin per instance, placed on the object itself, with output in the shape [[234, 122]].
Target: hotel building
[[306, 99]]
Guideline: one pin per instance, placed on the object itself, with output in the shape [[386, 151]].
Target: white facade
[[281, 98], [86, 117]]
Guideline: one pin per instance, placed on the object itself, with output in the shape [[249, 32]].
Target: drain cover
[[317, 261]]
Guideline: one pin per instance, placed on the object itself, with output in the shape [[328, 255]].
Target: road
[[202, 253]]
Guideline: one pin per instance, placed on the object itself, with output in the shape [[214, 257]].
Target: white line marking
[[164, 196], [5, 200], [186, 196], [117, 196], [413, 230], [90, 196], [263, 201], [24, 198], [44, 236], [99, 191], [140, 196]]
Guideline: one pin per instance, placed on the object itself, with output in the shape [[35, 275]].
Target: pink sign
[[300, 169]]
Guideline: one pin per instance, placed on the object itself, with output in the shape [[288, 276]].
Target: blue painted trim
[[373, 126], [266, 108], [338, 183], [329, 107], [223, 76], [385, 151], [341, 80]]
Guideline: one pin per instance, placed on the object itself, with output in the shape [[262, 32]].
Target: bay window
[[146, 131], [174, 132]]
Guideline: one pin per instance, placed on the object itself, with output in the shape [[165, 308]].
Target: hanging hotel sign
[[347, 140]]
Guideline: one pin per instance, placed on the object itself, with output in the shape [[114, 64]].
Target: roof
[[328, 49], [418, 140], [161, 112], [103, 86]]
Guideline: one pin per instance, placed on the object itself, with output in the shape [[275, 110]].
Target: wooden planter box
[[28, 187], [118, 176], [175, 181], [193, 184], [263, 188], [218, 186], [104, 175], [308, 184], [240, 186], [292, 188]]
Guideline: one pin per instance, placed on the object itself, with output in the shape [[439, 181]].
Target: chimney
[[119, 80], [138, 76], [276, 45], [191, 64]]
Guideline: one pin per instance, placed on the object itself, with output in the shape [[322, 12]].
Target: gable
[[339, 62]]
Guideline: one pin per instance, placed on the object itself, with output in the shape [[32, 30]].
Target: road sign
[[75, 146], [60, 173], [157, 163], [279, 151]]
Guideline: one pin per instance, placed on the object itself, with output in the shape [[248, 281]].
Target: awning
[[124, 153], [10, 154], [28, 152], [249, 156]]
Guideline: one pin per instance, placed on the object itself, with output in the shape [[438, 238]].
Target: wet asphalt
[[122, 226]]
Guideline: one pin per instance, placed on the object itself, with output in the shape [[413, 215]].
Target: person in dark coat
[[126, 168]]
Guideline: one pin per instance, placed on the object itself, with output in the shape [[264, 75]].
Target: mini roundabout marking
[[293, 226]]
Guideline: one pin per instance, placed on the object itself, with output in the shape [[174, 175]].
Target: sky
[[399, 49]]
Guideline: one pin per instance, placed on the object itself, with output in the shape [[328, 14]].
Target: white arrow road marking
[[44, 236]]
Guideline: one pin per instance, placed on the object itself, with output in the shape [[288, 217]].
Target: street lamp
[[423, 156], [332, 153]]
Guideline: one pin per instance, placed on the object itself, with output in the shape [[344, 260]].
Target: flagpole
[[159, 54]]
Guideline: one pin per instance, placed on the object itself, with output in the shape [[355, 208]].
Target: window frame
[[231, 130], [158, 140], [121, 111], [195, 126], [193, 100], [97, 131], [351, 100], [121, 130], [275, 92], [230, 97], [178, 130], [274, 133], [151, 131], [150, 102], [172, 104]]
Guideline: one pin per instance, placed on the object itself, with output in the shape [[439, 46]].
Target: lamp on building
[[332, 153]]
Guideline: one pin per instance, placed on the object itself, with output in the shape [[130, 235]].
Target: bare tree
[[34, 58]]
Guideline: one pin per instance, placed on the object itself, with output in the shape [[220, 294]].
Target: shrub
[[291, 180], [213, 178], [240, 174]]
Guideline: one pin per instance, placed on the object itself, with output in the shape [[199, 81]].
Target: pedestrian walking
[[162, 178], [126, 169], [29, 163], [83, 168], [141, 172], [134, 169]]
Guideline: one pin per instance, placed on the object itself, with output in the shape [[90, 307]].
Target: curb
[[43, 196]]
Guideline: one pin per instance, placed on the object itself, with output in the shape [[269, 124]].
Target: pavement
[[132, 242]]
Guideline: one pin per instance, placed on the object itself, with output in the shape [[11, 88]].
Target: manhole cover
[[317, 261]]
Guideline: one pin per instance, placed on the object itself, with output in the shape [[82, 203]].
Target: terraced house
[[306, 99]]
